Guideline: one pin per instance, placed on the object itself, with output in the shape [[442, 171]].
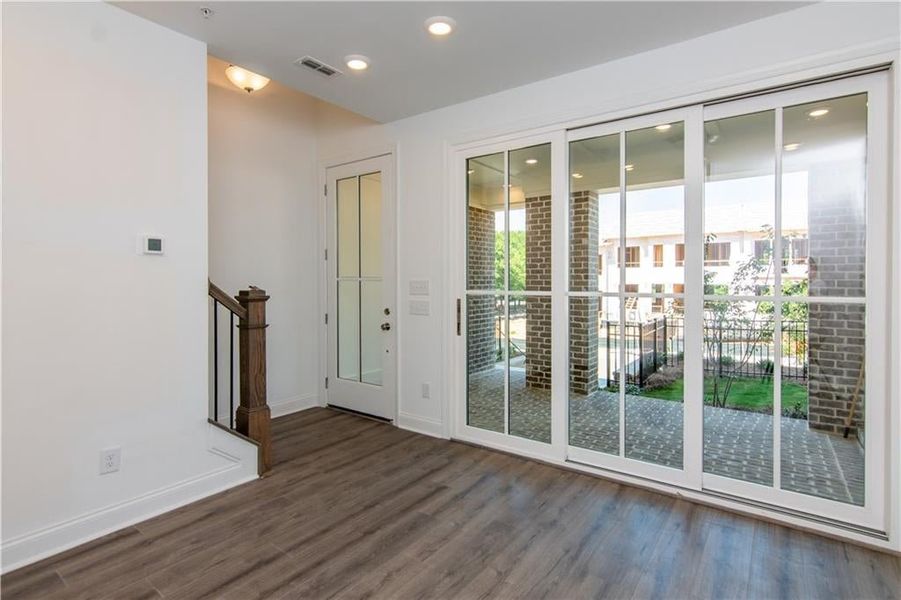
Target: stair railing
[[252, 417]]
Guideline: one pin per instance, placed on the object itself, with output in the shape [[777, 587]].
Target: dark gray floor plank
[[359, 509]]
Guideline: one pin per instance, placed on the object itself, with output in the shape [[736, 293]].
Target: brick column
[[481, 344], [538, 278], [836, 333], [583, 312]]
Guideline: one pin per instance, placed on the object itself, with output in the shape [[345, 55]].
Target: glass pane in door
[[486, 361], [360, 302], [655, 217], [739, 349]]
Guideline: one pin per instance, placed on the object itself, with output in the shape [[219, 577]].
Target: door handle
[[386, 327]]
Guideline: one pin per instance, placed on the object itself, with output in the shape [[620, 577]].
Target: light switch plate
[[419, 307], [419, 287]]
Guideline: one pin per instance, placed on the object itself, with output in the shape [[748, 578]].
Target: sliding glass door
[[795, 224], [628, 250], [713, 311]]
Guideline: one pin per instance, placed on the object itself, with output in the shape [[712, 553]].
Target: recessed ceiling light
[[629, 167], [663, 127], [577, 176], [818, 112], [791, 147], [531, 161], [357, 62], [440, 26]]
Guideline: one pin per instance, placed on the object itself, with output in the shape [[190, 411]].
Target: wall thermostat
[[153, 244]]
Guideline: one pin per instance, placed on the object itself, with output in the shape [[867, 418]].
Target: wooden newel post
[[253, 413]]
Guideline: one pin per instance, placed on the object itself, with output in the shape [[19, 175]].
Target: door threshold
[[360, 413]]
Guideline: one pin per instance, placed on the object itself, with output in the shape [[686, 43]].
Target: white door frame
[[390, 203], [705, 488]]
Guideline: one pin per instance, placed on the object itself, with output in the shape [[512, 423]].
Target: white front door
[[360, 259]]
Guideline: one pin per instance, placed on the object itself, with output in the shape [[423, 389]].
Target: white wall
[[104, 139], [262, 178], [816, 36]]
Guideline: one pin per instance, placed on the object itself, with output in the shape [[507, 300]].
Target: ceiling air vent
[[308, 62]]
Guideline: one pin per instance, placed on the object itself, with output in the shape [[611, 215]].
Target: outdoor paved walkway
[[738, 444]]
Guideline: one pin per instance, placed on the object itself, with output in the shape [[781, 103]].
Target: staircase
[[245, 312]]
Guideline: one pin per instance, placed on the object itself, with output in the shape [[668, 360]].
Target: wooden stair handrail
[[252, 418], [227, 301]]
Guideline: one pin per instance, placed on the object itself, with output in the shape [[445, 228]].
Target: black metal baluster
[[215, 360], [231, 369]]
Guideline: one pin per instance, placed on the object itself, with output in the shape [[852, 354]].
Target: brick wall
[[583, 312], [837, 268], [538, 278], [480, 310]]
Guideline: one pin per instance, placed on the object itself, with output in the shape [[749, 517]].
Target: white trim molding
[[294, 404], [423, 425], [240, 467]]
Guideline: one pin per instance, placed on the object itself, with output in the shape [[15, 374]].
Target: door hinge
[[458, 315], [326, 318], [325, 253], [326, 383], [325, 190]]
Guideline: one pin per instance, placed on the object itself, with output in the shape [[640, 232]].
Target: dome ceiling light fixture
[[246, 80]]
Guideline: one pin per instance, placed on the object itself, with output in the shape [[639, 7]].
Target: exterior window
[[631, 288], [658, 255], [633, 256], [679, 303], [794, 251], [657, 304], [717, 253], [762, 249], [680, 255]]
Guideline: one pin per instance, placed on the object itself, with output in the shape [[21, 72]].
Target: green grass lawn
[[749, 394]]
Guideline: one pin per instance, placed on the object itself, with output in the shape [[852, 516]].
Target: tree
[[517, 260]]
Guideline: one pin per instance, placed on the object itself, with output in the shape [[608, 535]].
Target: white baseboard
[[293, 405], [423, 425], [36, 545]]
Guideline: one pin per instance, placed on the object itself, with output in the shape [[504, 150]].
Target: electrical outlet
[[110, 459], [426, 392]]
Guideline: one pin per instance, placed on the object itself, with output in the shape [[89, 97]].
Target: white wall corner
[[239, 466], [286, 406], [423, 425]]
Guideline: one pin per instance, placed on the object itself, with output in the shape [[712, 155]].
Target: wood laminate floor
[[358, 509]]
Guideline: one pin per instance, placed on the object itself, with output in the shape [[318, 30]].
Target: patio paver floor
[[738, 444]]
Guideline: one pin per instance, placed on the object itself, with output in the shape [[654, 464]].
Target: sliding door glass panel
[[655, 207], [594, 207], [486, 232], [654, 223], [738, 390], [371, 335], [824, 198], [349, 330], [486, 361], [529, 349], [740, 205], [818, 406], [371, 225], [348, 222], [530, 219], [594, 372]]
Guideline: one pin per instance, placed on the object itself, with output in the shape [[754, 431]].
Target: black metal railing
[[219, 302], [731, 348]]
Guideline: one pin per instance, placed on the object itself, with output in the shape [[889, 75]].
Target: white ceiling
[[497, 45]]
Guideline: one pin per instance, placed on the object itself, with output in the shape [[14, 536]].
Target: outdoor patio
[[737, 443]]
